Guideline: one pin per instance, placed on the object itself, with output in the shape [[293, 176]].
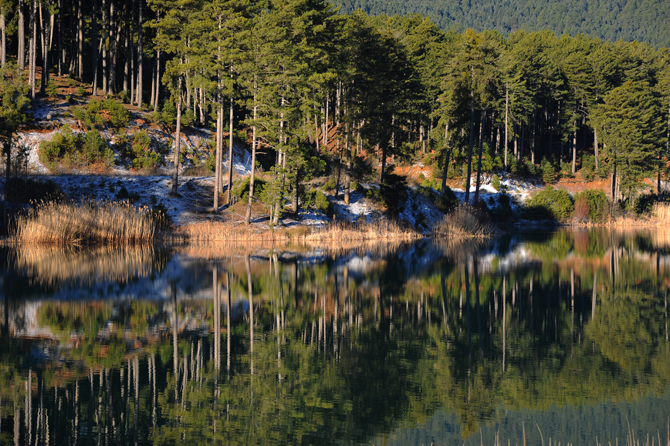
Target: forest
[[644, 21], [351, 95]]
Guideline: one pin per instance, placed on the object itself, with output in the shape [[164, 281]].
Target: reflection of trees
[[326, 353]]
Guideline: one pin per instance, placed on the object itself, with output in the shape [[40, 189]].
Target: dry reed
[[381, 230], [465, 222], [92, 222]]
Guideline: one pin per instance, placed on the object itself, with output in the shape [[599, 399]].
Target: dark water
[[532, 336]]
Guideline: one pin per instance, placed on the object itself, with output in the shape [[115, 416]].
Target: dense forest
[[352, 95], [643, 21]]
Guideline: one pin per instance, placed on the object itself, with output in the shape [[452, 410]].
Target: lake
[[523, 339]]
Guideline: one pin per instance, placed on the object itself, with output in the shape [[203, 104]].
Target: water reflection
[[564, 334]]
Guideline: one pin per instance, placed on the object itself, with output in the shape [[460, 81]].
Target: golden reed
[[92, 222]]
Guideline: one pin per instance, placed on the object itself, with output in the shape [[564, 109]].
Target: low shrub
[[495, 182], [141, 154], [548, 171], [316, 199], [88, 150], [241, 189], [591, 205], [549, 203]]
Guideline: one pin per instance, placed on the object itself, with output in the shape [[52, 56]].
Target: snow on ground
[[420, 213], [519, 190], [359, 207]]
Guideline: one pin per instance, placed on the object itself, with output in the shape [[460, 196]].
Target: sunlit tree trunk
[[177, 151]]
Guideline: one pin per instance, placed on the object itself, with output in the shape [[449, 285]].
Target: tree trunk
[[479, 160], [217, 167], [574, 149], [33, 48], [231, 137], [140, 55], [113, 42], [158, 80], [80, 41], [126, 51], [44, 32], [175, 175], [3, 44], [247, 218], [445, 170], [22, 38], [472, 131], [595, 145], [94, 84], [105, 54], [532, 142], [506, 123]]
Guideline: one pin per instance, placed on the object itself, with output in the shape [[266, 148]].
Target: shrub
[[644, 204], [548, 171], [125, 98], [241, 189], [329, 185], [123, 194], [188, 118], [81, 91], [495, 182], [318, 200], [142, 155], [108, 110], [549, 203], [76, 150], [394, 192], [51, 89], [591, 205], [588, 167]]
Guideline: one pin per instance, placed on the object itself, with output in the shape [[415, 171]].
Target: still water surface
[[558, 335]]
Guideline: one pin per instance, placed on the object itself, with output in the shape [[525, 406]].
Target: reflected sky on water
[[559, 335]]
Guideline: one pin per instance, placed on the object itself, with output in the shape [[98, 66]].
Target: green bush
[[123, 194], [51, 89], [588, 167], [241, 189], [644, 204], [188, 118], [592, 205], [76, 150], [548, 171], [142, 155], [318, 200], [109, 110], [81, 91], [495, 182], [549, 203]]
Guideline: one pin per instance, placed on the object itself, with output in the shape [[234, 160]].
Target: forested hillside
[[347, 96], [630, 20]]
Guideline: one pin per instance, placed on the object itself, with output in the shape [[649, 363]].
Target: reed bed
[[465, 222], [381, 230], [378, 230], [91, 222]]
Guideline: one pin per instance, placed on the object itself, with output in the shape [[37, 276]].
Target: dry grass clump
[[465, 221], [662, 213], [210, 231], [378, 230], [92, 222]]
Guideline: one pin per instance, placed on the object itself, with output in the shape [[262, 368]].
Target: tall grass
[[92, 222], [465, 221], [381, 230]]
